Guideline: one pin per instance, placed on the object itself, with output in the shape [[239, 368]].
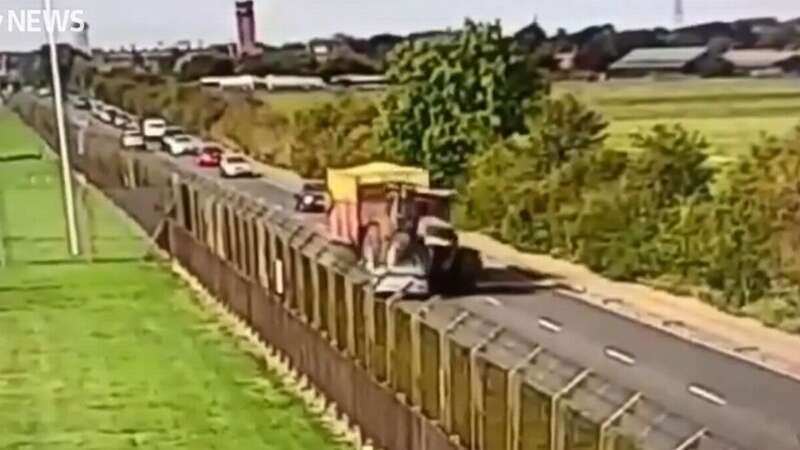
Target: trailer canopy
[[343, 183]]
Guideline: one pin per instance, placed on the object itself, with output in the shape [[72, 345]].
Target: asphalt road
[[748, 405]]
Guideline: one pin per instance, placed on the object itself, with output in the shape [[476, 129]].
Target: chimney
[[80, 37], [246, 27]]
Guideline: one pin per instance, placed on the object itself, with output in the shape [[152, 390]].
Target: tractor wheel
[[440, 276], [466, 270]]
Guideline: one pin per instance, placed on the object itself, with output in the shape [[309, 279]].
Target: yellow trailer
[[397, 225]]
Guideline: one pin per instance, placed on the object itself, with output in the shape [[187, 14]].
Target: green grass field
[[118, 354], [731, 113]]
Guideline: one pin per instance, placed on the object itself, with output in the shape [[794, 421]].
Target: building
[[322, 49], [80, 39], [758, 62], [661, 60], [246, 28]]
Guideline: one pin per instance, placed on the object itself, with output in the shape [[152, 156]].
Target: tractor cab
[[397, 224]]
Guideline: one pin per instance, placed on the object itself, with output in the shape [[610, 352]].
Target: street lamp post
[[66, 170]]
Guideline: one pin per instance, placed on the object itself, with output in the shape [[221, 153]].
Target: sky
[[147, 22]]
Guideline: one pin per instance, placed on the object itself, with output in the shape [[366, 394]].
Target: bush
[[334, 134]]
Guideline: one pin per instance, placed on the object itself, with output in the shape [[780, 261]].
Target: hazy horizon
[[148, 22]]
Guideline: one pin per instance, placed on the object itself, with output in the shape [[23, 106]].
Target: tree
[[334, 134], [453, 96], [194, 67], [671, 163], [566, 127]]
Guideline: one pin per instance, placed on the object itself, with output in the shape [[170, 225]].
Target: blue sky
[[146, 22]]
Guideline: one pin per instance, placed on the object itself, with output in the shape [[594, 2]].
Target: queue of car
[[155, 134]]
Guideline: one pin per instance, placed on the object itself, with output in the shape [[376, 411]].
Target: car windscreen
[[183, 139], [236, 160]]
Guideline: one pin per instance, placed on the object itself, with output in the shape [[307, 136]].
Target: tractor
[[400, 229]]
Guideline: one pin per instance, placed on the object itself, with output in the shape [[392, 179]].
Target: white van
[[154, 128]]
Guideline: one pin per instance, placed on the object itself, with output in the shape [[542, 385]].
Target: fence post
[[333, 334], [369, 325], [556, 431], [222, 227], [391, 337], [416, 350], [300, 285], [445, 372], [514, 394], [692, 440], [208, 217], [351, 317], [615, 417], [316, 312], [176, 194], [476, 407]]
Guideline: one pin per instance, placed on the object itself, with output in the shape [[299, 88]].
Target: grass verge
[[119, 355]]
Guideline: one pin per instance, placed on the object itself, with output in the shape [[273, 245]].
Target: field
[[731, 113], [116, 353]]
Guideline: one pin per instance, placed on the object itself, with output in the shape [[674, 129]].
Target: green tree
[[334, 134], [452, 97], [671, 162], [567, 127]]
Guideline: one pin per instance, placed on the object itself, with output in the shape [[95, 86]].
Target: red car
[[210, 156]]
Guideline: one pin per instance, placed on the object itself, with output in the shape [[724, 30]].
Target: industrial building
[[648, 61], [760, 62]]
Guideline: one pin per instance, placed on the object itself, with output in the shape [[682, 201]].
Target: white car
[[119, 118], [181, 144], [102, 114], [231, 166], [132, 139], [154, 128]]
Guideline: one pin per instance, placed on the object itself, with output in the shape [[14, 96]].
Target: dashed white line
[[492, 301], [707, 395], [620, 356], [550, 325]]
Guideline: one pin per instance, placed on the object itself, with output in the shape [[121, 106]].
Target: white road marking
[[620, 356], [549, 325], [707, 395], [492, 301]]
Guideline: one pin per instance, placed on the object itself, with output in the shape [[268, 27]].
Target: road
[[745, 403]]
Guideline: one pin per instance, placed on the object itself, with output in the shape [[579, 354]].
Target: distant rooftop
[[659, 58], [760, 58]]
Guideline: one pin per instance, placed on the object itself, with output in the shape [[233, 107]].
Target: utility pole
[[66, 170], [678, 13]]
